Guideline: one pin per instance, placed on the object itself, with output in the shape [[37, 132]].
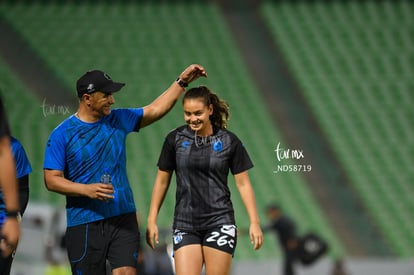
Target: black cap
[[94, 81]]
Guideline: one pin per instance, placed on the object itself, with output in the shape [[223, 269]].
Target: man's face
[[100, 103]]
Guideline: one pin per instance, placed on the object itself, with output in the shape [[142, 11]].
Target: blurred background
[[330, 79]]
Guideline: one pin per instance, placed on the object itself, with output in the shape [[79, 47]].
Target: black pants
[[115, 239], [289, 263]]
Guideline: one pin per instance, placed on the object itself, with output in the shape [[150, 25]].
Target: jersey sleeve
[[130, 117], [166, 160], [23, 166], [55, 153], [240, 160]]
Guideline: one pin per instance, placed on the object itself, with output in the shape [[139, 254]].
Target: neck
[[208, 131], [87, 116]]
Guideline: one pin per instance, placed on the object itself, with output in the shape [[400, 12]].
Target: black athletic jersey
[[202, 166]]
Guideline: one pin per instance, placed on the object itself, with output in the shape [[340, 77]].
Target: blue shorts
[[114, 239], [223, 238]]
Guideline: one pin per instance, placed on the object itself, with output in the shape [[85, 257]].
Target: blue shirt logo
[[218, 146], [185, 144]]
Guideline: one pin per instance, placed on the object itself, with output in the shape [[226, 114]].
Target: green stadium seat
[[359, 53]]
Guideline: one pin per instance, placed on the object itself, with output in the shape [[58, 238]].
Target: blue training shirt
[[83, 151], [22, 163]]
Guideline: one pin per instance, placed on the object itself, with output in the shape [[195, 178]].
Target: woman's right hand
[[152, 235]]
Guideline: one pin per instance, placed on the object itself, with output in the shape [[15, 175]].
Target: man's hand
[[192, 72], [100, 191], [10, 236]]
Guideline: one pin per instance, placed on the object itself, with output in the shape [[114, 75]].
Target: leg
[[288, 265], [123, 236], [188, 260], [219, 245], [124, 270], [217, 262], [86, 249]]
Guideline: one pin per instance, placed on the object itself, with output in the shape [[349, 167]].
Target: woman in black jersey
[[202, 153]]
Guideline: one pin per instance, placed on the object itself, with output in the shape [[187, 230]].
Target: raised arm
[[246, 192], [163, 104]]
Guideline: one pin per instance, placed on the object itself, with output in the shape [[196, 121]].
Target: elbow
[[48, 185], [50, 179]]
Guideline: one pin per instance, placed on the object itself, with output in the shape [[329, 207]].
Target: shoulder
[[126, 112], [61, 127], [61, 130], [177, 134], [124, 115], [181, 130], [227, 133], [15, 144], [66, 123], [130, 118], [118, 111]]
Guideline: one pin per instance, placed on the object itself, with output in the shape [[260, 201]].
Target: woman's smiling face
[[197, 116]]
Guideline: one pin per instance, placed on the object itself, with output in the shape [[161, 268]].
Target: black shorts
[[114, 239], [223, 238]]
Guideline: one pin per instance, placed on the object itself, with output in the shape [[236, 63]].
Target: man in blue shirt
[[101, 217], [23, 169]]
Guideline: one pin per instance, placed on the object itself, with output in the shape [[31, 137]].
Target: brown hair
[[220, 114]]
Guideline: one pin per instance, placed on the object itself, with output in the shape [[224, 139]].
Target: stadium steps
[[352, 62]]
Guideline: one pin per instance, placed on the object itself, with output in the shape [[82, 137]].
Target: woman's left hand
[[256, 235]]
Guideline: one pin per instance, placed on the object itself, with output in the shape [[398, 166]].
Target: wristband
[[14, 214], [181, 82]]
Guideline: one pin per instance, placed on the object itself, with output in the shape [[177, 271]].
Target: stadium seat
[[351, 61]]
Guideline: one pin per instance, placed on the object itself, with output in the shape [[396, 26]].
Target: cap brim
[[113, 87]]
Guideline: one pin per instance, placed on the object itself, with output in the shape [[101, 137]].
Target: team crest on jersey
[[185, 144], [217, 145]]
